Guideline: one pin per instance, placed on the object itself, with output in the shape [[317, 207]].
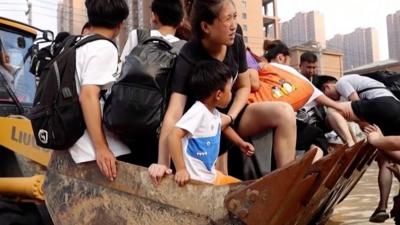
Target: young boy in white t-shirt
[[96, 69], [195, 140]]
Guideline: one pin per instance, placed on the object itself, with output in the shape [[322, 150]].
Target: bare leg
[[339, 124], [319, 154], [222, 163], [260, 116], [384, 181], [353, 131]]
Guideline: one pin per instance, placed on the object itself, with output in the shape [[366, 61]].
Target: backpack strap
[[177, 46], [142, 35], [370, 88], [92, 38]]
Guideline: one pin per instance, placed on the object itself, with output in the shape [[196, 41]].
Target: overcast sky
[[344, 16], [44, 12]]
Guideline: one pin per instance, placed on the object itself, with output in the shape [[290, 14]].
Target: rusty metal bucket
[[79, 194]]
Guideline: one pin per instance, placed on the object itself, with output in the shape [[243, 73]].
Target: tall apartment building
[[271, 26], [139, 17], [336, 43], [393, 29], [72, 16], [256, 26], [259, 21], [304, 27], [359, 47]]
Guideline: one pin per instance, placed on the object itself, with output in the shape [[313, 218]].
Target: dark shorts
[[383, 111], [143, 152], [225, 143], [307, 135], [321, 119]]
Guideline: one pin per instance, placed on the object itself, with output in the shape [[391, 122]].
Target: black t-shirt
[[194, 52]]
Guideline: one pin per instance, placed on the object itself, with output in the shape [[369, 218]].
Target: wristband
[[232, 121]]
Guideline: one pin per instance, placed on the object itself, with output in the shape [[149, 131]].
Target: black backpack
[[138, 100], [389, 79], [43, 56], [56, 117]]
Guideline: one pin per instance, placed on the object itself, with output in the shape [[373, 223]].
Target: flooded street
[[359, 205]]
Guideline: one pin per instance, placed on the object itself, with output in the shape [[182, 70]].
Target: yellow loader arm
[[24, 187], [16, 135]]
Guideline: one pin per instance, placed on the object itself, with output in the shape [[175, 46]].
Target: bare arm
[[242, 86], [174, 113], [376, 138], [339, 124], [175, 147], [246, 147], [388, 143], [325, 101], [90, 104], [342, 108], [354, 97], [225, 121], [254, 80], [231, 134]]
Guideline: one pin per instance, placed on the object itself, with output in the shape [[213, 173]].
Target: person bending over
[[370, 101], [325, 118]]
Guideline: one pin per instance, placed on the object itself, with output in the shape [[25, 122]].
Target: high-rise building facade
[[359, 47], [139, 17], [336, 43], [393, 30], [251, 23], [271, 26], [304, 27], [259, 21], [72, 16]]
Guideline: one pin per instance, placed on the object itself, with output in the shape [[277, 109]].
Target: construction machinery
[[23, 168], [37, 184]]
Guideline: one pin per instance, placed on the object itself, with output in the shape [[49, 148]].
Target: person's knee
[[332, 115], [285, 113], [382, 160]]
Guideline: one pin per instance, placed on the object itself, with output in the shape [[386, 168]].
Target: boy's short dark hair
[[106, 13], [85, 26], [208, 77], [169, 12], [319, 81], [309, 57]]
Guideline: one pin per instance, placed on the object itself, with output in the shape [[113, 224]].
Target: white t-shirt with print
[[96, 64], [132, 41], [311, 102], [201, 145]]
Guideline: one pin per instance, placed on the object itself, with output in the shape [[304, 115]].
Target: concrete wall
[[330, 62]]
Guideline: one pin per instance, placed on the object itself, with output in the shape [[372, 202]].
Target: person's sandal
[[379, 216]]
